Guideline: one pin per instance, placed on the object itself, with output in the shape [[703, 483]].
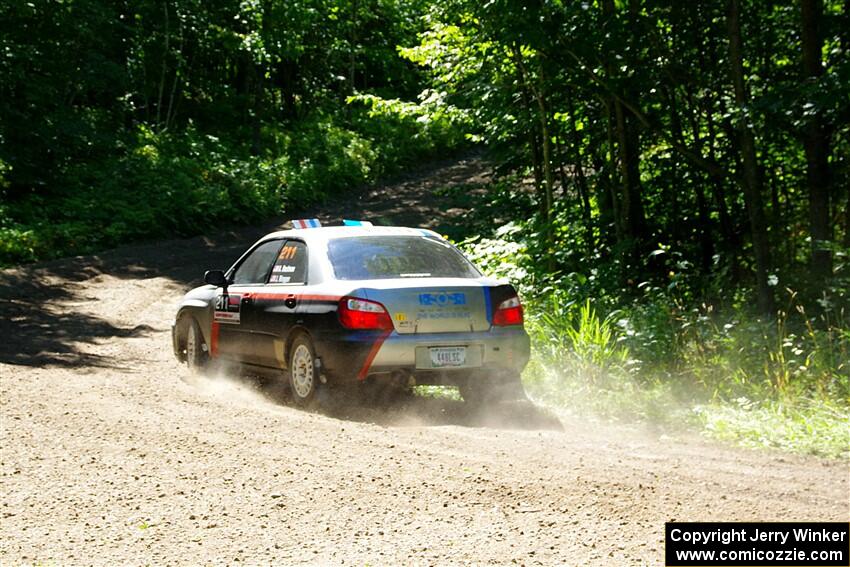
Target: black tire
[[197, 352], [302, 374], [479, 390]]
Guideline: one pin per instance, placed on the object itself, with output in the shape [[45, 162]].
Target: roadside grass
[[808, 427], [438, 393], [583, 363]]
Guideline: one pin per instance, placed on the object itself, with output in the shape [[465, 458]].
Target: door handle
[[290, 301], [247, 298]]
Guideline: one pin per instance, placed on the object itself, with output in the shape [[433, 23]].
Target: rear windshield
[[383, 257]]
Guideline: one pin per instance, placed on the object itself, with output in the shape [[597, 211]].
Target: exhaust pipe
[[403, 378]]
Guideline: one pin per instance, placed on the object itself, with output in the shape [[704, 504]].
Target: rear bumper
[[349, 356]]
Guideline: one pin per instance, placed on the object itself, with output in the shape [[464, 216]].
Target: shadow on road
[[47, 310], [423, 411], [38, 331], [395, 409], [35, 336]]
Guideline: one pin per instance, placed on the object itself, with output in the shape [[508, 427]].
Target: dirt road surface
[[109, 454]]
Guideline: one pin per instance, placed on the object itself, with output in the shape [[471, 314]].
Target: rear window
[[383, 257]]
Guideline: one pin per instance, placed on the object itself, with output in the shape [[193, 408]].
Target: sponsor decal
[[442, 299], [456, 314], [227, 308], [402, 322]]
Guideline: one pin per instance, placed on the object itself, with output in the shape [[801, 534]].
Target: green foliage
[[169, 184], [186, 182], [650, 354], [562, 329], [408, 130], [123, 122], [502, 256]]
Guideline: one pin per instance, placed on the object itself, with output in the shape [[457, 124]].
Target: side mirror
[[216, 278]]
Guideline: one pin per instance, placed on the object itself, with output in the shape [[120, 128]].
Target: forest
[[671, 190]]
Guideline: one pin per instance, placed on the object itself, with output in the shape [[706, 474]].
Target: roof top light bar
[[305, 223]]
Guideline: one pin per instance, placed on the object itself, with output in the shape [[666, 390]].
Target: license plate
[[448, 356]]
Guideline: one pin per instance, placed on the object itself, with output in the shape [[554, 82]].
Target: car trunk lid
[[445, 305]]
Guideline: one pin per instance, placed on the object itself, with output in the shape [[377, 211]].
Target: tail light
[[356, 313], [508, 312]]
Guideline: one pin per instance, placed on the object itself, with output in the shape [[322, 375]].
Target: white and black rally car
[[320, 306]]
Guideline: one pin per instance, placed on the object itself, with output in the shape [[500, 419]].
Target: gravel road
[[111, 454]]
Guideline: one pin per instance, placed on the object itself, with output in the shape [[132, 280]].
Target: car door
[[271, 312], [234, 313]]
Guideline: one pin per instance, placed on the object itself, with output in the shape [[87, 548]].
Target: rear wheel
[[303, 375], [197, 353]]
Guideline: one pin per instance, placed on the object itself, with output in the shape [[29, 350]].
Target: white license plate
[[448, 356]]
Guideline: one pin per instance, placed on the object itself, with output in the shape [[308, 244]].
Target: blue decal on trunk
[[442, 299]]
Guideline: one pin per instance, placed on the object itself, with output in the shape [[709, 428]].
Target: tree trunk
[[581, 179], [537, 91], [534, 142], [171, 109], [816, 145], [602, 189], [727, 226], [628, 143], [352, 52], [614, 184], [612, 168], [165, 52], [751, 182], [705, 227], [287, 71], [847, 221], [845, 44], [631, 215], [536, 167], [548, 172]]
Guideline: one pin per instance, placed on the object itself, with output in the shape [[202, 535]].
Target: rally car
[[318, 306]]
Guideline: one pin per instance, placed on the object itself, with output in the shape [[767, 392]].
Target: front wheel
[[303, 376], [197, 355]]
